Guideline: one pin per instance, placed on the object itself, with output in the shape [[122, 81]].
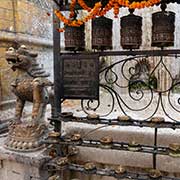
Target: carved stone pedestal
[[22, 166], [25, 137]]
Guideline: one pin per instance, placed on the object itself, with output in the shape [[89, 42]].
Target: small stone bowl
[[90, 167], [54, 136], [72, 151], [54, 177], [93, 116], [120, 171], [124, 118], [62, 162], [106, 142], [76, 138], [133, 146], [155, 174], [157, 120], [174, 150]]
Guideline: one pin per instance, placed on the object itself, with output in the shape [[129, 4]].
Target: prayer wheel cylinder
[[102, 33], [74, 38], [131, 31], [163, 29]]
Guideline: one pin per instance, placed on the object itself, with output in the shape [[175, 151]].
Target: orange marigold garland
[[116, 9], [60, 29], [94, 12], [138, 5], [108, 7], [97, 10], [115, 4], [84, 5], [72, 7]]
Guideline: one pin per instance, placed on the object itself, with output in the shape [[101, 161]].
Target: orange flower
[[138, 5], [94, 12], [60, 29], [116, 9], [84, 5], [97, 10], [72, 7]]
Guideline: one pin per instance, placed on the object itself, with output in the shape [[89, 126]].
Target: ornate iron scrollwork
[[136, 87]]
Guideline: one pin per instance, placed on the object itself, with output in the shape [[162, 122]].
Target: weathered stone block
[[22, 166], [7, 14], [7, 4], [6, 25]]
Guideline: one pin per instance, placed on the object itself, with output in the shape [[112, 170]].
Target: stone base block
[[22, 166]]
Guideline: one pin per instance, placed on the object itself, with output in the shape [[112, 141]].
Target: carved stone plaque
[[80, 76]]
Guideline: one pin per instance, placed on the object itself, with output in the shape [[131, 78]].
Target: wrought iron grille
[[134, 84], [141, 78]]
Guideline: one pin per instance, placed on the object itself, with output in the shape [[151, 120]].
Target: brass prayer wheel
[[131, 31], [102, 33], [74, 38], [163, 28]]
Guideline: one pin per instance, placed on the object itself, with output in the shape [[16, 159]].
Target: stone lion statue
[[31, 82]]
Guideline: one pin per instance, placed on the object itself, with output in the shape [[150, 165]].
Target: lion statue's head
[[24, 59]]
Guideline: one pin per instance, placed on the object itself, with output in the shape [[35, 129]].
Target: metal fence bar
[[131, 122]]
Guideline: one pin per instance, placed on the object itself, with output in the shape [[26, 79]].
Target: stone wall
[[24, 22]]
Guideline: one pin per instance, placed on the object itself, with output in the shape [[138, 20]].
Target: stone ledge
[[4, 105], [27, 39]]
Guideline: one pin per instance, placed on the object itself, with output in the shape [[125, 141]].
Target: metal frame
[[56, 120], [57, 68]]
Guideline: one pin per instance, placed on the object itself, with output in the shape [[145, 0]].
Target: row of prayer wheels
[[131, 32]]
